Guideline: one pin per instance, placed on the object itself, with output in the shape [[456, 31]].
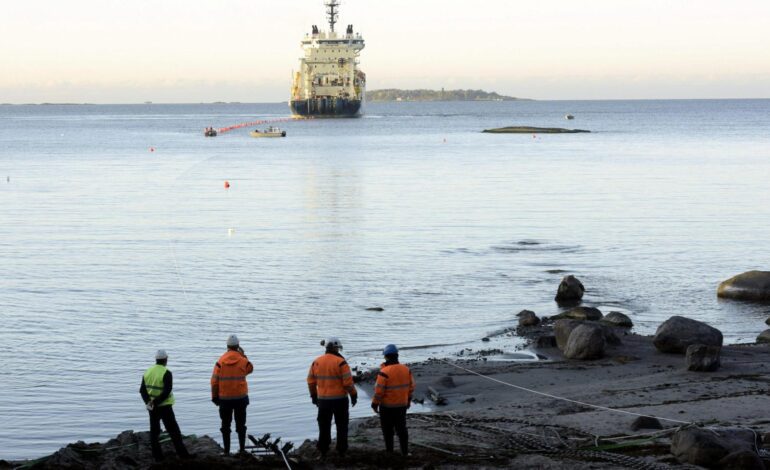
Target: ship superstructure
[[329, 83]]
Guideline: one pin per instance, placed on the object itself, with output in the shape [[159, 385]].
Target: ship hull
[[326, 107]]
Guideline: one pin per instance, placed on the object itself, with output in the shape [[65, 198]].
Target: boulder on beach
[[581, 313], [585, 342], [562, 330], [764, 337], [702, 358], [570, 289], [751, 285], [617, 319], [677, 333], [546, 342], [646, 422], [706, 447], [742, 460], [527, 318]]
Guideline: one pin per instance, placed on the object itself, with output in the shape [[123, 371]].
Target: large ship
[[328, 83]]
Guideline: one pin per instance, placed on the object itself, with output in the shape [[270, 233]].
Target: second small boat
[[269, 132]]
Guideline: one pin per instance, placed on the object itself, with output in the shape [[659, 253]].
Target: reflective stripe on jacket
[[228, 381], [153, 382], [394, 387], [329, 378]]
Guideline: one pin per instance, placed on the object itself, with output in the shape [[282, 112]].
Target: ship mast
[[332, 12]]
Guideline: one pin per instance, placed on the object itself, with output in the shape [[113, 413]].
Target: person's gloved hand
[[150, 405], [314, 399], [353, 400], [215, 401], [376, 408]]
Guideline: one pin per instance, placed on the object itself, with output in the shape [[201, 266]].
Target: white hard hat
[[333, 341], [161, 354], [232, 340]]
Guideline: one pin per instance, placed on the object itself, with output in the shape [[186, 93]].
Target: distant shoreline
[[397, 94]]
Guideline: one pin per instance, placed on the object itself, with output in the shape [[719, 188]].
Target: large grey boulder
[[570, 289], [706, 447], [618, 319], [562, 330], [677, 333], [585, 342], [527, 318], [702, 358], [581, 313], [742, 460], [751, 285]]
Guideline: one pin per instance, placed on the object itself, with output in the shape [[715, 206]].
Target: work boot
[[226, 442], [242, 441]]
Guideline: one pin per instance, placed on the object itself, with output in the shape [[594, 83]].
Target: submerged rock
[[751, 285], [764, 337], [706, 447], [570, 289], [527, 318], [586, 341], [677, 333], [618, 319], [702, 358]]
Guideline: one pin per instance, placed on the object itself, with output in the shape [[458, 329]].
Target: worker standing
[[230, 392], [392, 397], [330, 382], [157, 383]]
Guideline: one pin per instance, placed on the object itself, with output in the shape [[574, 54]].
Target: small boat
[[569, 117], [210, 132], [269, 132]]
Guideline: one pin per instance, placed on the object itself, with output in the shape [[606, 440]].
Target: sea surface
[[118, 237]]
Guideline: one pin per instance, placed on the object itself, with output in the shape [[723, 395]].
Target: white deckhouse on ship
[[328, 83]]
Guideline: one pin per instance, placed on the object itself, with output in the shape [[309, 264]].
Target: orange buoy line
[[222, 130]]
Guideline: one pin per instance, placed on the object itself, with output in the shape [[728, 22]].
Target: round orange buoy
[[227, 185]]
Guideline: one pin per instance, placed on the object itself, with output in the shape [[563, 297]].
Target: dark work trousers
[[394, 419], [228, 408], [165, 414], [338, 409]]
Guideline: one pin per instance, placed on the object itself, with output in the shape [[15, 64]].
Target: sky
[[191, 51]]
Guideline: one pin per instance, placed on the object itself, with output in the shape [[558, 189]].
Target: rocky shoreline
[[597, 396]]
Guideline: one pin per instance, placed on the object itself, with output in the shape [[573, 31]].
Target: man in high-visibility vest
[[156, 392], [230, 392], [392, 397], [330, 382]]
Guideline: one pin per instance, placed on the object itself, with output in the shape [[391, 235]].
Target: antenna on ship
[[331, 11]]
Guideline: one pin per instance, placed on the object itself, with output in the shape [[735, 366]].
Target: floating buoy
[[227, 185], [230, 232], [152, 149]]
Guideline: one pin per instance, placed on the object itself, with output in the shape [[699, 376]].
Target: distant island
[[394, 94]]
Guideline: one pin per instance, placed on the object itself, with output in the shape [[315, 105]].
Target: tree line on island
[[394, 94]]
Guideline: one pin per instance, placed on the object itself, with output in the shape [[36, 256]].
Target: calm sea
[[111, 250]]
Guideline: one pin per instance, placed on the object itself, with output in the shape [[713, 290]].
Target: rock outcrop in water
[[751, 285], [533, 130], [570, 290]]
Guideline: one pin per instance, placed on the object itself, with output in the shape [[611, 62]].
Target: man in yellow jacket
[[230, 392], [392, 397], [157, 383], [330, 382]]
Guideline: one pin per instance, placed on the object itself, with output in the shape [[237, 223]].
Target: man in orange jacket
[[330, 382], [230, 392], [392, 397]]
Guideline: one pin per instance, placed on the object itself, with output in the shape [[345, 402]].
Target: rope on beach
[[556, 397]]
